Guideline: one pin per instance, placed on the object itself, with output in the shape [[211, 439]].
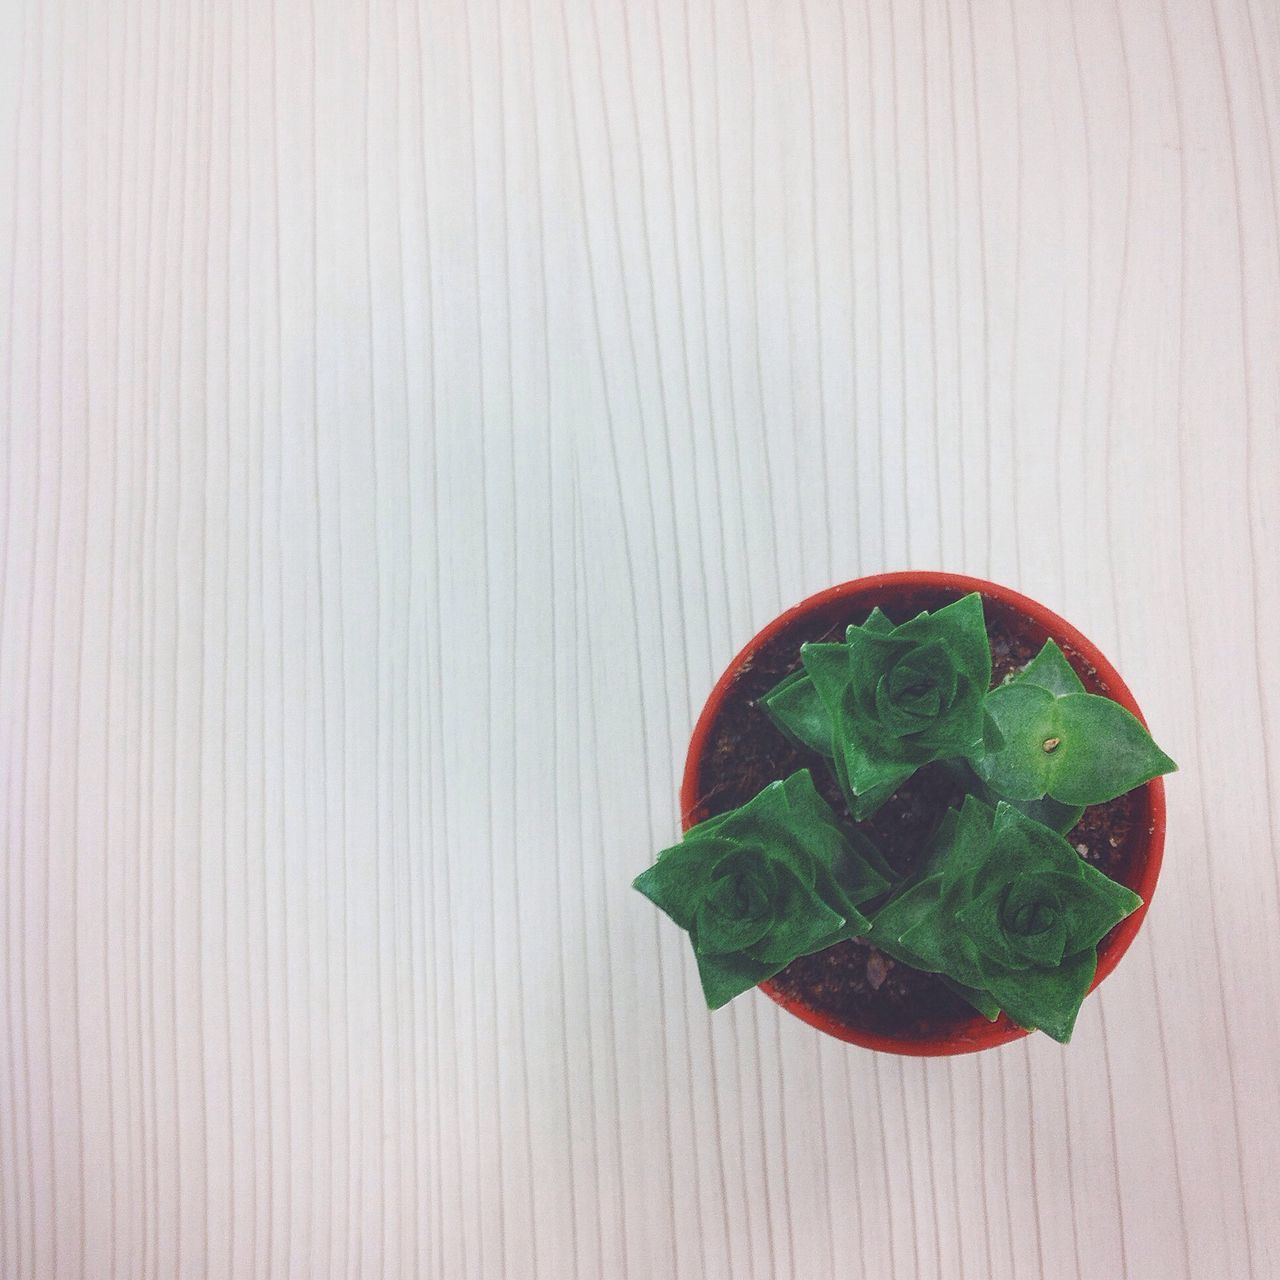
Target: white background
[[407, 413]]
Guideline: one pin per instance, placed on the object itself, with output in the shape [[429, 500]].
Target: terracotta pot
[[902, 595]]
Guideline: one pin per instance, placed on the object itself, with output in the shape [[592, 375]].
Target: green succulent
[[890, 698], [762, 884], [1006, 909], [1001, 907]]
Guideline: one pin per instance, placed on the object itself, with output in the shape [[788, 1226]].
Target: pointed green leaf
[[1024, 718], [1050, 812], [679, 880], [983, 1001], [865, 805], [944, 949], [1093, 914], [1054, 740], [1047, 999], [1104, 751], [724, 977], [873, 860], [1050, 670], [1029, 845], [1047, 811], [969, 840], [904, 911], [802, 922], [827, 665], [992, 738], [878, 622], [899, 916], [735, 912], [962, 627], [795, 707]]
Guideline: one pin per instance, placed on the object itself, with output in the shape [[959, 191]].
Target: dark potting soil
[[852, 981]]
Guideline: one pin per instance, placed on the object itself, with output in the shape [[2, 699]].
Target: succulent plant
[[1006, 909], [890, 699], [1000, 905], [760, 885]]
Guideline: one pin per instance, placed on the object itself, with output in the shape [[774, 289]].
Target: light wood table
[[407, 412]]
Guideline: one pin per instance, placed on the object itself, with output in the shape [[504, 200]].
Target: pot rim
[[978, 1033]]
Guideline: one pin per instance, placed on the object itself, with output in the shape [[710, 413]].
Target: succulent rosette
[[890, 698], [762, 884], [1008, 911]]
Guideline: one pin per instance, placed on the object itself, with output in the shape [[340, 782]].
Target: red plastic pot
[[902, 595]]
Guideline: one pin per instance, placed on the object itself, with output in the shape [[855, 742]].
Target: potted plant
[[921, 812]]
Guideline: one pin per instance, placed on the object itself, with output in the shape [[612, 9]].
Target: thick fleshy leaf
[[840, 767], [873, 779], [871, 857], [827, 665], [1055, 741], [930, 668], [943, 948], [1048, 812], [1104, 751], [915, 924], [768, 821], [1024, 718], [992, 739], [848, 879], [679, 880], [799, 804], [874, 785], [878, 621], [795, 707], [960, 732], [1092, 916], [1092, 902], [910, 709], [726, 976], [869, 782], [738, 908], [1045, 999], [721, 934], [831, 890], [849, 869], [983, 1001], [1050, 670], [968, 840], [939, 846], [871, 655], [1028, 846], [863, 805], [899, 916]]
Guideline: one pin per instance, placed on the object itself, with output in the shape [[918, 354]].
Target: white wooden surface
[[407, 412]]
